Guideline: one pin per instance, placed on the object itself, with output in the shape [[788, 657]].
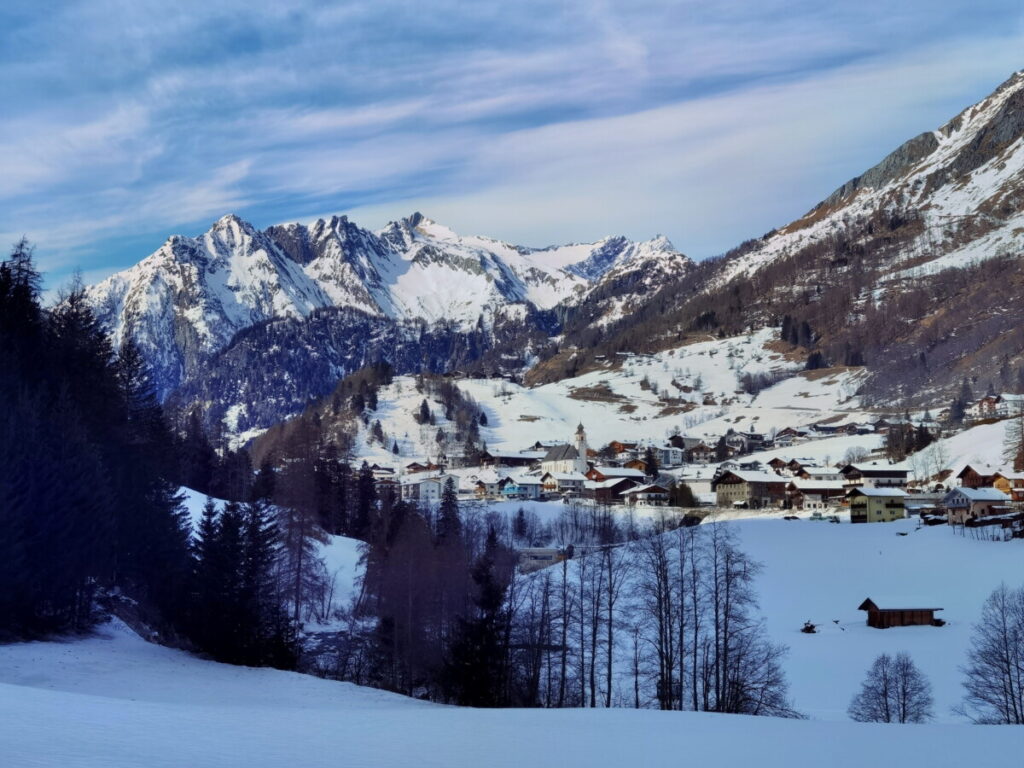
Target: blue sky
[[126, 121]]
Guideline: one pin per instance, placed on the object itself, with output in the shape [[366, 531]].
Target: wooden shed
[[883, 618]]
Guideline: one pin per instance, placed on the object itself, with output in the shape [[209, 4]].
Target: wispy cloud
[[532, 121]]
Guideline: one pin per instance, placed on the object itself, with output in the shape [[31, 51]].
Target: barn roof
[[892, 603]]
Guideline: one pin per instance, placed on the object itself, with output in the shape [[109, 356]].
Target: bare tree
[[994, 674], [894, 691]]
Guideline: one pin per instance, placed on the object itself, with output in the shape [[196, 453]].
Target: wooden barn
[[883, 618]]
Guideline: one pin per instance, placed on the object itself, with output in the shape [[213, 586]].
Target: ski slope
[[113, 701]]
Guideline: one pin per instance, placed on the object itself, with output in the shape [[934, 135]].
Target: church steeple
[[580, 463]]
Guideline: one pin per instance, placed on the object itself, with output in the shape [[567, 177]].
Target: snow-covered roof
[[645, 489], [819, 485], [881, 492], [756, 476], [619, 472], [981, 494]]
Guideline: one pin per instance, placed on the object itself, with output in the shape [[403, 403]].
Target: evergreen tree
[[449, 523]]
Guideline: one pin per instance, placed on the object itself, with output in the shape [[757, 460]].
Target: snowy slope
[[694, 389], [116, 702], [962, 182]]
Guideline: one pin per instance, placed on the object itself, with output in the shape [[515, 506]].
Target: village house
[[570, 483], [669, 456], [488, 484], [698, 479], [601, 473], [530, 486], [977, 476], [621, 450], [893, 616], [875, 475], [639, 464], [814, 494], [608, 491], [1011, 483], [876, 505], [750, 488], [999, 406], [416, 467], [966, 504], [499, 459], [427, 488], [701, 453], [647, 496], [382, 473]]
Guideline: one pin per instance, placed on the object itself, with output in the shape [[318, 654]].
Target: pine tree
[[449, 523]]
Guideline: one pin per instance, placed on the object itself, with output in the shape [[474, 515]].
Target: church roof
[[561, 453]]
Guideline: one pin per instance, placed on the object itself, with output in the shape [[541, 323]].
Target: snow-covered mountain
[[957, 190], [190, 298]]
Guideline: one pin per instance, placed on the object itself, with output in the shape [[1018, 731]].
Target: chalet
[[647, 496], [967, 504], [425, 487], [701, 453], [977, 476], [637, 464], [563, 482], [791, 435], [619, 448], [382, 473], [883, 618], [736, 442], [511, 458], [600, 473], [753, 489], [608, 491], [416, 467], [811, 472], [778, 465], [875, 475], [997, 406], [1011, 483], [876, 505], [814, 494], [755, 441]]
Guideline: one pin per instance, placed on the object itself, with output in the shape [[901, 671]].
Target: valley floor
[[113, 701]]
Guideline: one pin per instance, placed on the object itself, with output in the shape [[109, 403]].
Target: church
[[568, 459]]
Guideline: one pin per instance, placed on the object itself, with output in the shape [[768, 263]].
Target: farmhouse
[[1011, 483], [876, 505], [755, 489], [563, 482], [966, 504], [875, 475], [814, 494], [883, 618], [977, 476], [647, 496], [600, 474], [608, 491]]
